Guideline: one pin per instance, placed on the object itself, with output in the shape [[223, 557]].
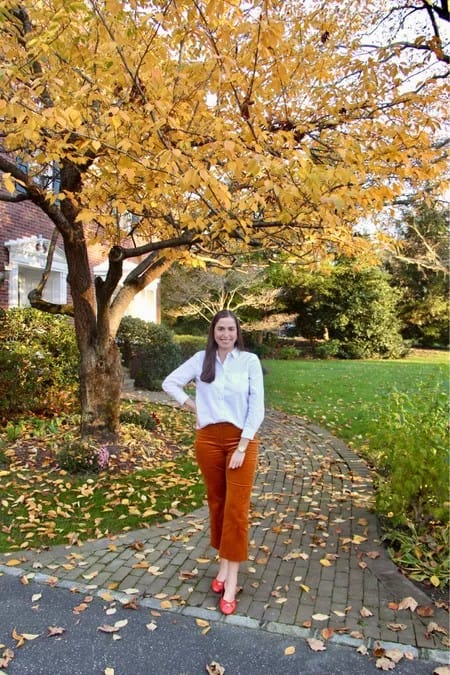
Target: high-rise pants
[[228, 490]]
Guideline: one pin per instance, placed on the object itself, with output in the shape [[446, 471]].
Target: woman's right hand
[[189, 403]]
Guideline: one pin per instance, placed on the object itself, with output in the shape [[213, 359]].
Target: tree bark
[[100, 387], [100, 368]]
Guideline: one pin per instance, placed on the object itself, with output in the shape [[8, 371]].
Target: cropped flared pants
[[228, 490]]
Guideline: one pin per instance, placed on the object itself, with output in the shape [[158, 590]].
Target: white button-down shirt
[[236, 395]]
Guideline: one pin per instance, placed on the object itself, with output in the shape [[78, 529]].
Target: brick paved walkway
[[316, 559]]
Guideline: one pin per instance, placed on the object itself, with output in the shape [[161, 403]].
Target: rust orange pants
[[228, 490]]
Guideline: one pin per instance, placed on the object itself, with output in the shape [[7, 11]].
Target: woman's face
[[225, 334]]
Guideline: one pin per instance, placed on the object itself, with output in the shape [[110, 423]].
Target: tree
[[428, 16], [184, 128], [420, 268], [193, 293], [351, 304]]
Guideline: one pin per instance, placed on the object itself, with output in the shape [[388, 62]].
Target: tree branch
[[37, 302], [118, 253]]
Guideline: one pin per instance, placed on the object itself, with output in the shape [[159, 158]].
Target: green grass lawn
[[347, 396]]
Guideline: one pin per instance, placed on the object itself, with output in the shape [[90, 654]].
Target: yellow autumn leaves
[[221, 120]]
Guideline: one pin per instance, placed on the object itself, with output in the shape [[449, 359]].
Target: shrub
[[287, 353], [149, 350], [327, 350], [38, 362], [413, 457], [83, 457], [190, 344], [141, 418], [261, 343]]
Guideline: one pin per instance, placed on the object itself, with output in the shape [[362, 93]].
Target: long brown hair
[[209, 363]]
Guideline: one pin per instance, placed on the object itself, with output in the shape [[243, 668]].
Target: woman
[[229, 406]]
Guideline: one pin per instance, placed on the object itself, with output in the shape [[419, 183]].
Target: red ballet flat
[[227, 607], [217, 586]]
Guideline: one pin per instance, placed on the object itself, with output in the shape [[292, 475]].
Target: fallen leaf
[[80, 608], [372, 554], [20, 640], [365, 612], [136, 545], [36, 597], [378, 650], [394, 654], [294, 555], [215, 668], [357, 539], [187, 574], [121, 623], [442, 670], [55, 630], [362, 649], [385, 664], [6, 658], [320, 617], [107, 628], [142, 565], [326, 633], [154, 569], [425, 610], [408, 603], [434, 627], [325, 562], [106, 596], [108, 671], [289, 650], [435, 581], [316, 645], [202, 623], [396, 627], [151, 626]]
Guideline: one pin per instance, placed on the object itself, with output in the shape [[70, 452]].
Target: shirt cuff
[[182, 398], [248, 433]]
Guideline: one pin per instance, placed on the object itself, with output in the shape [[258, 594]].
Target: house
[[25, 233]]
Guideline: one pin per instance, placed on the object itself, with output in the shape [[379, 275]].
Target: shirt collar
[[234, 354]]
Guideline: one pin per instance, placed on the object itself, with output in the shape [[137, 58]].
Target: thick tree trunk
[[100, 387]]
